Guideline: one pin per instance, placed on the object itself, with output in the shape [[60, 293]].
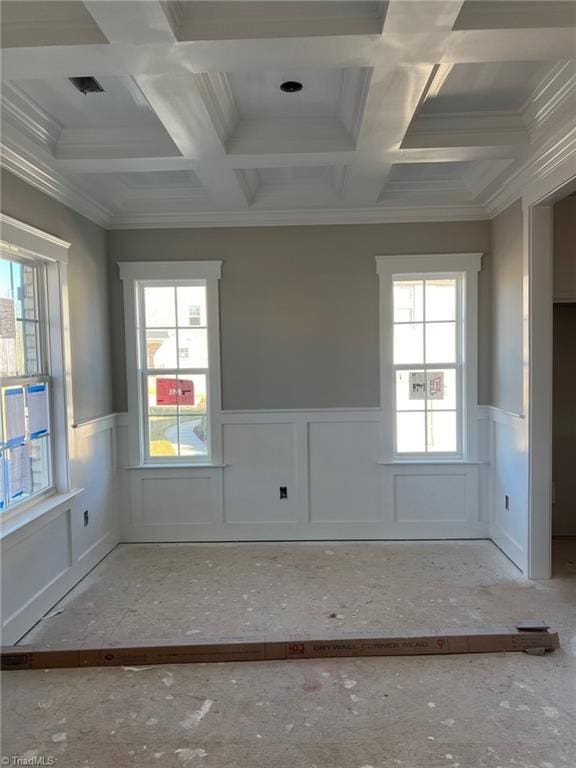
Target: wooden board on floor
[[531, 636]]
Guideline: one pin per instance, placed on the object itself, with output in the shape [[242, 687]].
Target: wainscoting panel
[[509, 523], [45, 557], [260, 460], [344, 478], [337, 487]]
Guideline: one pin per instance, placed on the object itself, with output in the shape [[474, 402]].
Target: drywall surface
[[507, 310], [88, 290], [298, 305], [564, 424]]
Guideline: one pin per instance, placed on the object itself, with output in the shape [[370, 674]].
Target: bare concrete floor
[[419, 712]]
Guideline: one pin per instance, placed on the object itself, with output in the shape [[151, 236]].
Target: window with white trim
[[428, 310], [428, 364], [26, 452], [173, 360]]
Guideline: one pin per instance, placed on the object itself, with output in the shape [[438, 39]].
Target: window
[[428, 355], [25, 435], [174, 377], [427, 364], [174, 373]]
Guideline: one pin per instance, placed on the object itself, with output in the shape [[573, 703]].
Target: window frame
[[135, 276], [429, 266], [49, 255]]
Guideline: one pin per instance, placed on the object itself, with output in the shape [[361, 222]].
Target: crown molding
[[353, 96], [41, 176], [556, 91], [319, 217], [466, 129], [27, 116], [218, 98], [554, 153], [116, 141]]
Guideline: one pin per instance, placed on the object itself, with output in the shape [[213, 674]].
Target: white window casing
[[158, 273], [464, 267], [21, 242]]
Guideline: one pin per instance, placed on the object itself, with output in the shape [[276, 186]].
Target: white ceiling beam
[[389, 50], [132, 22], [239, 162], [179, 106], [396, 92]]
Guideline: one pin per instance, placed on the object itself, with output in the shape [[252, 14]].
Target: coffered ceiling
[[409, 109]]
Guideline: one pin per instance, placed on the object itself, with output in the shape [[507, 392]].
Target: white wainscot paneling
[[509, 479], [344, 477], [168, 503], [260, 459], [44, 558], [35, 565], [93, 469], [435, 501], [337, 486]]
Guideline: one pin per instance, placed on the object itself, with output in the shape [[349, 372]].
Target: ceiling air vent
[[86, 84]]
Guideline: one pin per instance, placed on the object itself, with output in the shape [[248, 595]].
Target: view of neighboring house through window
[[174, 368], [25, 443], [428, 364]]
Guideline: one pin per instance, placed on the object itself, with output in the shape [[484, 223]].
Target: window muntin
[[25, 437], [174, 370], [428, 364]]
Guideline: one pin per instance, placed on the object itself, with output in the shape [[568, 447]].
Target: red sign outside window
[[174, 392]]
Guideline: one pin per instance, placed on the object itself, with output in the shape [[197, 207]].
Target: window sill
[[428, 462], [35, 511], [207, 465]]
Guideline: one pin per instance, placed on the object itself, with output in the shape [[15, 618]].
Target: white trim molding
[[21, 239], [169, 272], [328, 460], [468, 265]]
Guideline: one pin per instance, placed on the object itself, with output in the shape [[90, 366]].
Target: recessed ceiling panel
[[428, 171], [37, 23], [120, 103], [516, 14], [232, 20], [489, 87], [258, 95], [295, 175], [160, 179]]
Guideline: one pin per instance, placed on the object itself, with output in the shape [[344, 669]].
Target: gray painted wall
[[88, 290], [299, 305], [507, 310]]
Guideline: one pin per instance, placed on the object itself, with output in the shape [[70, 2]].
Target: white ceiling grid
[[410, 109]]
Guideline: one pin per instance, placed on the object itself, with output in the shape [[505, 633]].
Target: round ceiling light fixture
[[291, 86]]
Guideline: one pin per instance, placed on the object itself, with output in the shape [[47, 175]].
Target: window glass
[[25, 442], [425, 335], [176, 400]]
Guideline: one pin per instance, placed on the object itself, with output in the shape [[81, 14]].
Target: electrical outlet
[[283, 491], [86, 518], [507, 502]]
